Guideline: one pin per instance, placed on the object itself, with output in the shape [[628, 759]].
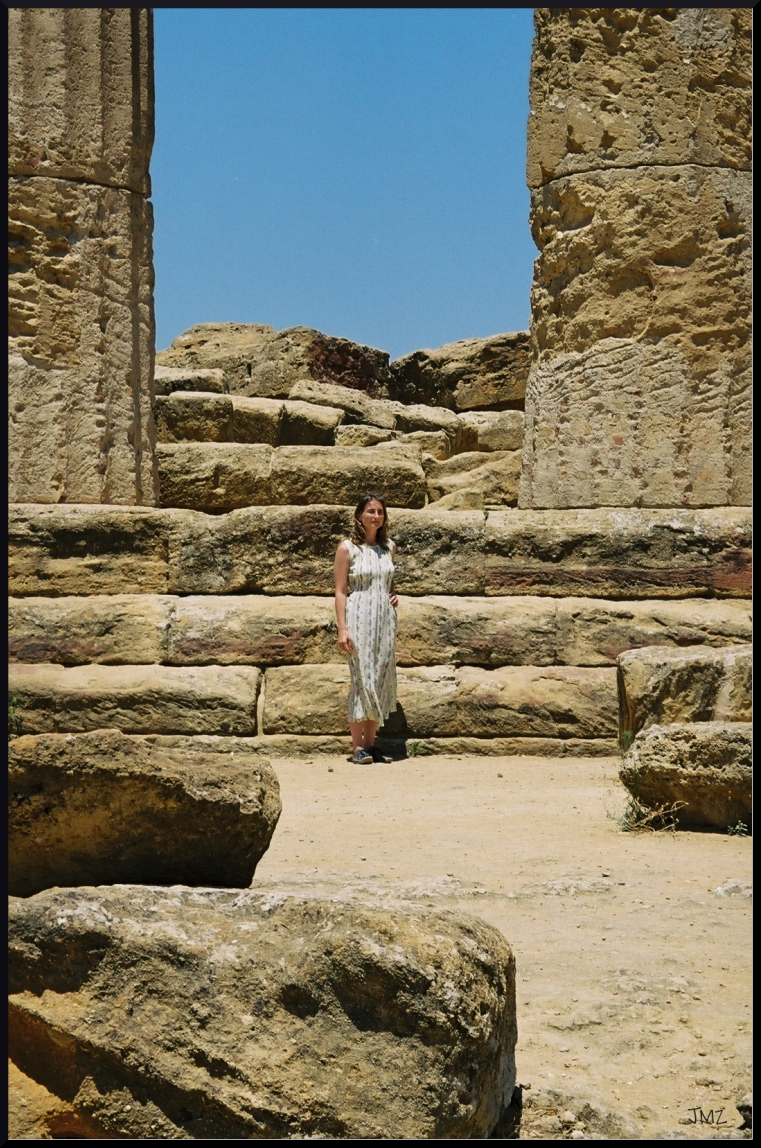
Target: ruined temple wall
[[81, 320], [639, 169]]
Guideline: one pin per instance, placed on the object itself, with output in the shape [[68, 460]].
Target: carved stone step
[[620, 554], [441, 701], [214, 476], [257, 629], [135, 699]]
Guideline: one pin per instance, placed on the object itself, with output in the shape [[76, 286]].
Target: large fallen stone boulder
[[706, 765], [214, 476], [135, 699], [308, 424], [618, 554], [214, 1014], [444, 701], [463, 376], [102, 808], [659, 685], [258, 360]]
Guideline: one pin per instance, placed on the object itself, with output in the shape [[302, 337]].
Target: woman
[[366, 613]]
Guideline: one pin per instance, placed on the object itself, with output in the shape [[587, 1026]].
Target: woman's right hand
[[345, 644]]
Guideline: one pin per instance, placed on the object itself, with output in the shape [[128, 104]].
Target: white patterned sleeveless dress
[[371, 621]]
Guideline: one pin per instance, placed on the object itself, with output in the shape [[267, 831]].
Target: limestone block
[[591, 632], [166, 380], [706, 764], [494, 483], [466, 375], [107, 808], [441, 701], [622, 87], [640, 392], [191, 416], [252, 630], [443, 629], [307, 424], [250, 1014], [81, 342], [135, 699], [360, 435], [619, 554], [303, 475], [358, 407], [259, 361], [495, 430], [196, 416], [659, 686], [214, 476], [81, 94], [113, 629], [438, 444], [258, 420], [62, 550]]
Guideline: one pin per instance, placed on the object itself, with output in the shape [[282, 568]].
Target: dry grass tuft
[[638, 818]]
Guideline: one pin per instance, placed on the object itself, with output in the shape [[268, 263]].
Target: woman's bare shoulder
[[392, 547], [345, 546]]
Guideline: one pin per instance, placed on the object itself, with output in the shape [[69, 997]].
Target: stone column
[[81, 271], [639, 169]]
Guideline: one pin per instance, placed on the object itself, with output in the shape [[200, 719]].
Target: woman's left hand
[[393, 600]]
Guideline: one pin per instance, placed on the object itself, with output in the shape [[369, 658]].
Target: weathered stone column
[[81, 272], [639, 169]]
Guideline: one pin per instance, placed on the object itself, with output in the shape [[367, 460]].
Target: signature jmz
[[701, 1117]]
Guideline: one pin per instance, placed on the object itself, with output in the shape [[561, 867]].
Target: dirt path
[[633, 974]]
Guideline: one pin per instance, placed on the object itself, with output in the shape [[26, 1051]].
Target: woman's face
[[372, 517]]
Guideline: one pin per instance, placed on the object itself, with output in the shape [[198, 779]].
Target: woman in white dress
[[366, 614]]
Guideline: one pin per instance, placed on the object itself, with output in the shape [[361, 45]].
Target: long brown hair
[[358, 534]]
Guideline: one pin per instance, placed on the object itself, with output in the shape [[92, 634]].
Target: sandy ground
[[633, 973]]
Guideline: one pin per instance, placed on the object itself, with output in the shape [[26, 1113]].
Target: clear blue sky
[[357, 170]]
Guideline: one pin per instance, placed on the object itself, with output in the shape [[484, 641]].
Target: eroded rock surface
[[707, 765], [466, 375], [658, 686], [615, 554], [187, 1014], [624, 87], [81, 273], [135, 699], [639, 164], [258, 629], [442, 701], [102, 808], [257, 360]]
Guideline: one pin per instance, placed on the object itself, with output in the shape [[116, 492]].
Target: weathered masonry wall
[[81, 275], [639, 169]]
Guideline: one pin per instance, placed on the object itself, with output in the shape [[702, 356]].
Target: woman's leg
[[362, 734]]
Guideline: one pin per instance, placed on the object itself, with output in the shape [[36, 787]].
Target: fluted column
[[81, 272]]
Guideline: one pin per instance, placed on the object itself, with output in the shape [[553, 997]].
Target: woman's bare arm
[[392, 596], [341, 576]]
